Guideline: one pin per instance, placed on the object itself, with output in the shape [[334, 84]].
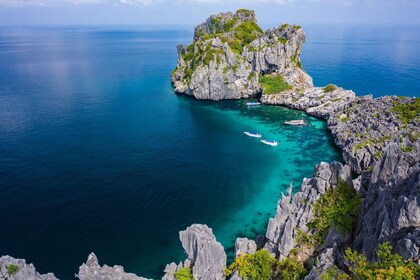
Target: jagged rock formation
[[294, 213], [25, 271], [207, 256], [91, 270], [391, 205], [230, 52], [367, 126], [244, 246]]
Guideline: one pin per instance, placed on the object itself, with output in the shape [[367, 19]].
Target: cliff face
[[230, 53]]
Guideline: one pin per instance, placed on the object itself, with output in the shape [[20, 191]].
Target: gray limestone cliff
[[206, 256], [230, 53], [295, 213]]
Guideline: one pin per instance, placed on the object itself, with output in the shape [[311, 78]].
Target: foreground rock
[[24, 272], [391, 206], [230, 52], [207, 256], [91, 270], [294, 213]]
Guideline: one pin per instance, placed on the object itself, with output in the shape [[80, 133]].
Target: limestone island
[[354, 220]]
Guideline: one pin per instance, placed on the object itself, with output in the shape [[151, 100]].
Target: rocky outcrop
[[325, 260], [230, 52], [24, 271], [317, 102], [207, 256], [91, 270], [391, 205], [294, 213], [366, 126], [244, 246]]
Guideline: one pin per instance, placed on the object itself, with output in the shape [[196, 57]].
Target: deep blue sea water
[[98, 154]]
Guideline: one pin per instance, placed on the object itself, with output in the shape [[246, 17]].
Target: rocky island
[[354, 220]]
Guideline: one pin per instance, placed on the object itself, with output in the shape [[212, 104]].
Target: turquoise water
[[98, 154]]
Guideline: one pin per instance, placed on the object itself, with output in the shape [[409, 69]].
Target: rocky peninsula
[[365, 211]]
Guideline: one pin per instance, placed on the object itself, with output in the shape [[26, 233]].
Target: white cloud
[[137, 2], [25, 3]]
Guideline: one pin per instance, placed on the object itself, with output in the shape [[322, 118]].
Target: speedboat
[[253, 134], [295, 122], [253, 103], [270, 142]]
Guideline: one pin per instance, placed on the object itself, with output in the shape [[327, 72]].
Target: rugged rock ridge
[[25, 271], [294, 213], [391, 204], [318, 102], [91, 270], [230, 52]]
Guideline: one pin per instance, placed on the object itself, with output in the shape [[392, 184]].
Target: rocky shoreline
[[379, 141]]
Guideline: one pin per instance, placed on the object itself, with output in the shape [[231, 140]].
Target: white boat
[[253, 103], [270, 142], [295, 122], [253, 134]]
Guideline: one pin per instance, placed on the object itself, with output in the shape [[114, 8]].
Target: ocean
[[97, 153]]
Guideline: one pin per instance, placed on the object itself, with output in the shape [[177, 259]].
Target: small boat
[[270, 142], [295, 122], [253, 134], [253, 103]]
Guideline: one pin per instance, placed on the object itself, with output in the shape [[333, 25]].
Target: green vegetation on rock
[[184, 274], [388, 266], [261, 266], [407, 112], [345, 119], [329, 88], [11, 269], [273, 84], [337, 207]]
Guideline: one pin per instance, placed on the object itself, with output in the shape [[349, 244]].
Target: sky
[[191, 12]]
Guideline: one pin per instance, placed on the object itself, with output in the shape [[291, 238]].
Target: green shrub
[[345, 119], [284, 25], [282, 40], [273, 84], [383, 139], [251, 75], [337, 207], [329, 88], [388, 266], [406, 149], [407, 112], [257, 266], [290, 268], [363, 144], [229, 24], [333, 273], [261, 266], [184, 274], [377, 155], [247, 32]]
